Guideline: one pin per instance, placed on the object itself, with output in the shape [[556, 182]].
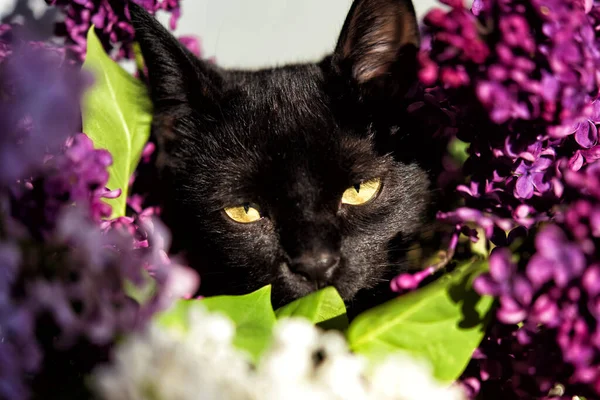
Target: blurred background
[[242, 33]]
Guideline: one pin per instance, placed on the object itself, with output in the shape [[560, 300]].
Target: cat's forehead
[[284, 114], [287, 93]]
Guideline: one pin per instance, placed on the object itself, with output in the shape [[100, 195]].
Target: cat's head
[[301, 176]]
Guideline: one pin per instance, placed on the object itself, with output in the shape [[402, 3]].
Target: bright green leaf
[[324, 308], [117, 114], [252, 315], [139, 58], [443, 322], [176, 317], [458, 150]]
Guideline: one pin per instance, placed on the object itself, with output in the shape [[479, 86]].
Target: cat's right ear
[[378, 45], [177, 78]]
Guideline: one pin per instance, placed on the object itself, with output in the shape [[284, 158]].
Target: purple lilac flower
[[532, 177], [506, 367], [71, 283], [539, 63], [72, 288], [65, 272], [14, 326], [148, 234], [531, 66], [555, 292], [111, 20], [522, 79], [30, 128], [77, 176], [102, 263]]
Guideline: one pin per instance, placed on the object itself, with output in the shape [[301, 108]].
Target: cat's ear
[[378, 43], [176, 76]]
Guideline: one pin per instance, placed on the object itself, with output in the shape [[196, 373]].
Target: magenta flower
[[555, 291], [532, 177], [65, 272], [112, 22], [556, 259]]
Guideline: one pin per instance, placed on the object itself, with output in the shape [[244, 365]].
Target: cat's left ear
[[378, 44], [177, 78]]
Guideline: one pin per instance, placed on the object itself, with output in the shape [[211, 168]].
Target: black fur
[[291, 140]]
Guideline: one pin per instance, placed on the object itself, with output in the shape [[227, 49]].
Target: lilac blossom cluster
[[555, 292], [522, 77], [71, 282], [531, 61], [112, 22], [505, 367]]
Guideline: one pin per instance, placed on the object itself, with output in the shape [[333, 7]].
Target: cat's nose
[[317, 268]]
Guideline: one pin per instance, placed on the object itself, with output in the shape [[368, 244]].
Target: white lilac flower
[[199, 363], [401, 377], [303, 362]]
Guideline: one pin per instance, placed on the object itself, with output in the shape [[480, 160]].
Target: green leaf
[[252, 315], [142, 292], [117, 114], [324, 308], [481, 246], [139, 58], [443, 322], [458, 150], [176, 316]]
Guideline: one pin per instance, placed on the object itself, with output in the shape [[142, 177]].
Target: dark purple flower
[[554, 290], [513, 290], [521, 78], [77, 176], [556, 259], [71, 281], [16, 333], [586, 134], [37, 114], [19, 350], [111, 20], [75, 284], [531, 177], [532, 65], [81, 176]]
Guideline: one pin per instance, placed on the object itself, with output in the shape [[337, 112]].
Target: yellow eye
[[361, 192], [244, 214]]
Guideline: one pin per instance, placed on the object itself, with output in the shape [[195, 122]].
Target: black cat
[[301, 176]]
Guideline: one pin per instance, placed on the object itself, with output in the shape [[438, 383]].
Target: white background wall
[[256, 33]]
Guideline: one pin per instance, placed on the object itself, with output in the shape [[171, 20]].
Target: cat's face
[[301, 176]]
